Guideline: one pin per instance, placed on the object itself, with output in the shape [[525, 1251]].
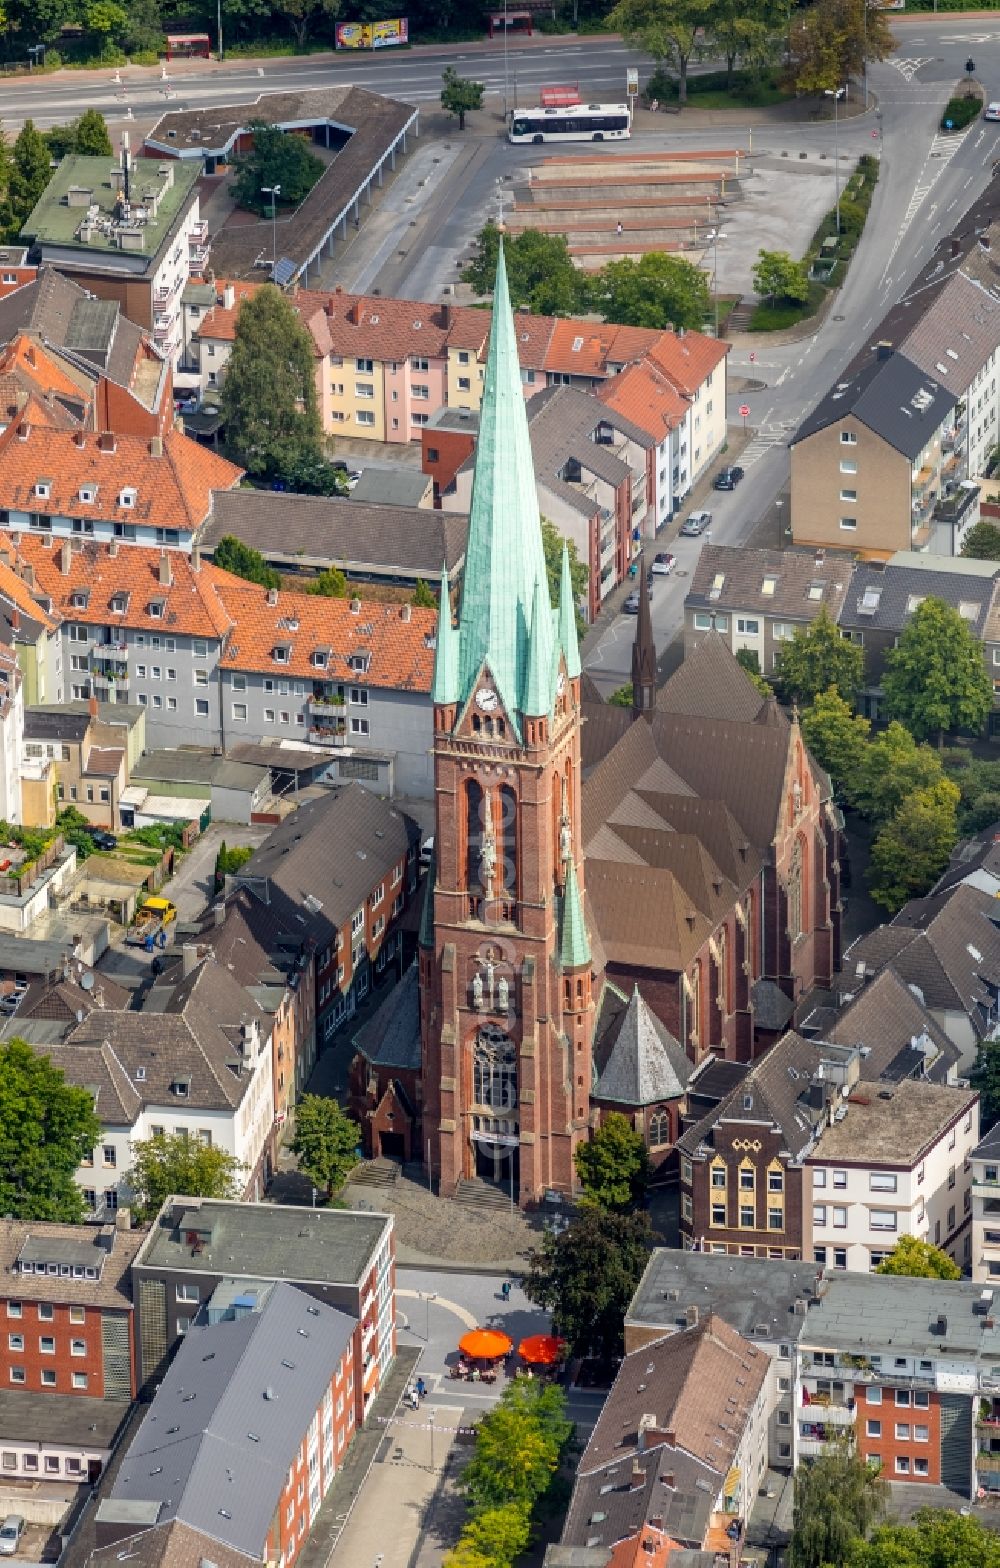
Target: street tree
[[460, 95], [492, 1538], [326, 1142], [748, 661], [838, 1499], [982, 542], [173, 1162], [837, 738], [518, 1447], [776, 276], [817, 658], [304, 16], [830, 41], [269, 406], [29, 174], [668, 31], [585, 1278], [553, 545], [6, 168], [90, 135], [275, 158], [541, 276], [985, 1077], [913, 848], [613, 1165], [935, 680], [656, 291], [919, 1260], [745, 31], [934, 1538], [890, 769], [47, 1129], [232, 555]]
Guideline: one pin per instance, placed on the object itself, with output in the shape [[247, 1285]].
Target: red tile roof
[[398, 638], [643, 394], [173, 485], [219, 323], [16, 590], [687, 360]]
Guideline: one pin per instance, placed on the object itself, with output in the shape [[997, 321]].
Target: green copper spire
[[537, 698], [567, 618], [574, 944], [504, 562], [445, 684]]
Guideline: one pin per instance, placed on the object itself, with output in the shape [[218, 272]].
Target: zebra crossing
[[775, 433]]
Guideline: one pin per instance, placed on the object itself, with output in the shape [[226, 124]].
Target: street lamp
[[715, 235], [218, 16], [836, 93], [274, 191], [429, 1296]]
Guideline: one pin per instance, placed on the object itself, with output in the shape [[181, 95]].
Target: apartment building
[[126, 230], [341, 1257], [74, 757], [680, 1446], [644, 394], [897, 1163], [248, 1462], [757, 599], [341, 871], [985, 1160], [84, 487], [871, 463], [196, 1061]]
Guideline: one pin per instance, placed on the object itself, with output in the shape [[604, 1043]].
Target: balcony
[[110, 681], [198, 231], [325, 707], [987, 1459], [327, 737], [841, 1414], [952, 508]]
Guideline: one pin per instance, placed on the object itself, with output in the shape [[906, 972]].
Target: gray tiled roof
[[171, 1545], [637, 1060], [957, 334], [756, 1296], [391, 1036], [775, 1090], [320, 530], [228, 1418], [606, 1506], [333, 851], [772, 1009], [58, 311], [894, 398], [391, 487], [885, 1017], [562, 421], [884, 597], [801, 582]]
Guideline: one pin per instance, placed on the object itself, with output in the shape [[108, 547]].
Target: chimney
[[112, 548], [956, 247], [29, 354], [156, 446], [637, 1478], [99, 996], [66, 557], [123, 1219], [355, 606], [272, 596], [647, 1423], [196, 557], [984, 241], [446, 316], [92, 706], [189, 959], [15, 618], [220, 913], [406, 613], [78, 438], [228, 296], [106, 441], [354, 313], [166, 571], [23, 430], [883, 349]]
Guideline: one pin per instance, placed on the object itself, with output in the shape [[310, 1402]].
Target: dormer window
[[127, 497], [157, 608], [280, 653], [359, 663], [119, 604], [43, 489], [180, 1087], [80, 598], [319, 659], [87, 494]]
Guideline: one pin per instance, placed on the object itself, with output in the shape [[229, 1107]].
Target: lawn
[[776, 317], [712, 90]]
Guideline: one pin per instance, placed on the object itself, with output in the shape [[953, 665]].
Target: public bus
[[579, 122]]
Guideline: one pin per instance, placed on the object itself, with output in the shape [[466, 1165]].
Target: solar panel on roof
[[283, 271]]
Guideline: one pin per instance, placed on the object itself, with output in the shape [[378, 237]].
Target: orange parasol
[[485, 1344], [542, 1350]]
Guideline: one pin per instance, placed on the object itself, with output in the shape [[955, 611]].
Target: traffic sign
[[744, 410], [632, 80]]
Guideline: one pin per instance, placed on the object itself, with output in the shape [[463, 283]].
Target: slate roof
[[775, 1091], [401, 487], [334, 850], [637, 1061], [755, 1296], [957, 333], [974, 859], [710, 684], [562, 421], [390, 1037], [772, 1009], [607, 1506], [604, 724], [58, 312], [800, 582], [215, 1446], [885, 1017], [988, 1148], [892, 397], [105, 1248], [171, 1545], [884, 597], [55, 725], [320, 531], [253, 944]]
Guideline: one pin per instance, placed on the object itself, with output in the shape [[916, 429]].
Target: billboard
[[373, 35]]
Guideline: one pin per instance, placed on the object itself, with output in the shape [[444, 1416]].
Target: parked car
[[663, 563], [992, 111], [696, 523], [102, 839], [11, 1532], [728, 478]]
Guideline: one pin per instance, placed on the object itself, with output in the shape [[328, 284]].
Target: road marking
[[908, 68], [767, 437], [868, 323], [784, 375], [440, 1301], [942, 150]]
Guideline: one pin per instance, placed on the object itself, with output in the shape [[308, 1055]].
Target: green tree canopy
[[47, 1128], [304, 16], [613, 1166], [329, 584], [29, 174], [326, 1142], [830, 40], [174, 1163], [934, 1538], [459, 95], [586, 1277], [817, 658], [982, 542], [493, 1538], [889, 771], [777, 276], [837, 738], [518, 1447], [232, 555], [667, 30], [90, 135], [748, 31], [838, 1499], [747, 659], [276, 158], [658, 291], [622, 696], [935, 680], [424, 597], [985, 1077], [919, 1260], [269, 403], [541, 276], [579, 572], [913, 847]]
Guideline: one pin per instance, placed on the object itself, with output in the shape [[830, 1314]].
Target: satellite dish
[[86, 982]]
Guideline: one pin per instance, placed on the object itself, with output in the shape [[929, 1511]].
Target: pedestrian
[[414, 1401], [618, 228], [421, 1388], [505, 1290]]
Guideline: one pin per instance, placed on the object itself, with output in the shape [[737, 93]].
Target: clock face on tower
[[486, 699]]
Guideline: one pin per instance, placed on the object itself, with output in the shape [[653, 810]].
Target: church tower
[[505, 965]]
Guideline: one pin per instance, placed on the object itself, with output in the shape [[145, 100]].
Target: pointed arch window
[[659, 1129], [474, 806], [494, 1069], [507, 841], [796, 876]]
